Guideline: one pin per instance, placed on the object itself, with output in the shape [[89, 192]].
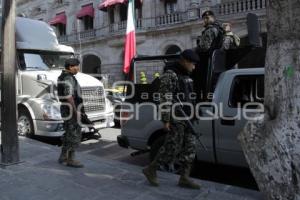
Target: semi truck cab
[[40, 60]]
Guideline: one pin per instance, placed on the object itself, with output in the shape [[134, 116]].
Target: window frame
[[233, 84], [171, 7]]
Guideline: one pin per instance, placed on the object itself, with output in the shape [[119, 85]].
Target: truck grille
[[93, 99]]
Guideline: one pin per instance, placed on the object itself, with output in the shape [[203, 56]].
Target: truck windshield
[[43, 60]]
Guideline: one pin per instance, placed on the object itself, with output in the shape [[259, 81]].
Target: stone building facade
[[163, 26]]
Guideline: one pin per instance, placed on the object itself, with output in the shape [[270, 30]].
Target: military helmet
[[208, 13]]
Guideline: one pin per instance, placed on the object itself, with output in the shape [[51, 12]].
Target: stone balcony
[[233, 10], [237, 8]]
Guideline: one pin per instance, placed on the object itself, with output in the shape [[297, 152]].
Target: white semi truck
[[40, 60]]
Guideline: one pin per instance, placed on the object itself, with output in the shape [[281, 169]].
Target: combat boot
[[71, 162], [63, 158], [150, 173], [186, 182]]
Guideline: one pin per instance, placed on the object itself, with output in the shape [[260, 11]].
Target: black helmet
[[190, 55], [71, 62], [208, 13]]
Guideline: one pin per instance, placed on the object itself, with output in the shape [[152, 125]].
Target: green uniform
[[180, 143], [68, 86], [211, 38], [231, 41]]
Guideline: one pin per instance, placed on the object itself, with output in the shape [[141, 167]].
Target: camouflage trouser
[[72, 136], [179, 144]]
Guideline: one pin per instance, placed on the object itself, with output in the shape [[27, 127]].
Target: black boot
[[63, 158], [150, 173], [72, 162], [185, 181]]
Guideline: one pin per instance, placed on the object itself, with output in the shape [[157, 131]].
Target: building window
[[123, 12], [170, 7], [88, 22], [138, 9], [111, 15], [61, 29], [173, 49], [59, 22]]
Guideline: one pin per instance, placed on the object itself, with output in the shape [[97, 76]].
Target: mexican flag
[[130, 44]]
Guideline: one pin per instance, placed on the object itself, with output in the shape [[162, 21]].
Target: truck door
[[243, 90], [206, 129]]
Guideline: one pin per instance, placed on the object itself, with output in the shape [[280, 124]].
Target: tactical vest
[[184, 90], [65, 110], [218, 41]]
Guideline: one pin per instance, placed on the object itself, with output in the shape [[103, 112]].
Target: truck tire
[[25, 123], [155, 146]]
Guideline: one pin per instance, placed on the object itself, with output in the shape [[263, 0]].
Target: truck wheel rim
[[24, 127]]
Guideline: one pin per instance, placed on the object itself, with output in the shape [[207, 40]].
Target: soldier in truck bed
[[212, 36]]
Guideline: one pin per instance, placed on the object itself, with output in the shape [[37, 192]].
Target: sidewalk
[[40, 177]]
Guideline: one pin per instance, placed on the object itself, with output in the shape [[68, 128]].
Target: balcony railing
[[237, 8], [170, 19], [63, 39], [121, 26], [88, 34], [241, 6]]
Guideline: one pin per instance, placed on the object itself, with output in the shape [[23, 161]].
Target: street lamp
[[9, 134]]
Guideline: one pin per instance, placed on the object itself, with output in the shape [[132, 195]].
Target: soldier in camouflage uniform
[[231, 40], [212, 36], [68, 92], [180, 142]]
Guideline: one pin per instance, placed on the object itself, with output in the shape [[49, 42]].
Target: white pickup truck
[[40, 60], [220, 122], [226, 99]]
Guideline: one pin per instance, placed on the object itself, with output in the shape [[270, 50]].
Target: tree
[[9, 136], [272, 142]]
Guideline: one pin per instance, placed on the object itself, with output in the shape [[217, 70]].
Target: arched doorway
[[173, 49], [91, 64]]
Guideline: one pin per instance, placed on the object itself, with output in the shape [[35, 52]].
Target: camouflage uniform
[[67, 86], [231, 41], [180, 142], [211, 38]]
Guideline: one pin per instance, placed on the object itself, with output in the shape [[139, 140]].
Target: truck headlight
[[51, 112]]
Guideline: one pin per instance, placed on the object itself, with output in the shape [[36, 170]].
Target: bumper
[[123, 141], [56, 129], [102, 121], [49, 128]]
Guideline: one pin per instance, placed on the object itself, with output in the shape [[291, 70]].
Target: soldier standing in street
[[180, 142], [212, 36], [68, 92]]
